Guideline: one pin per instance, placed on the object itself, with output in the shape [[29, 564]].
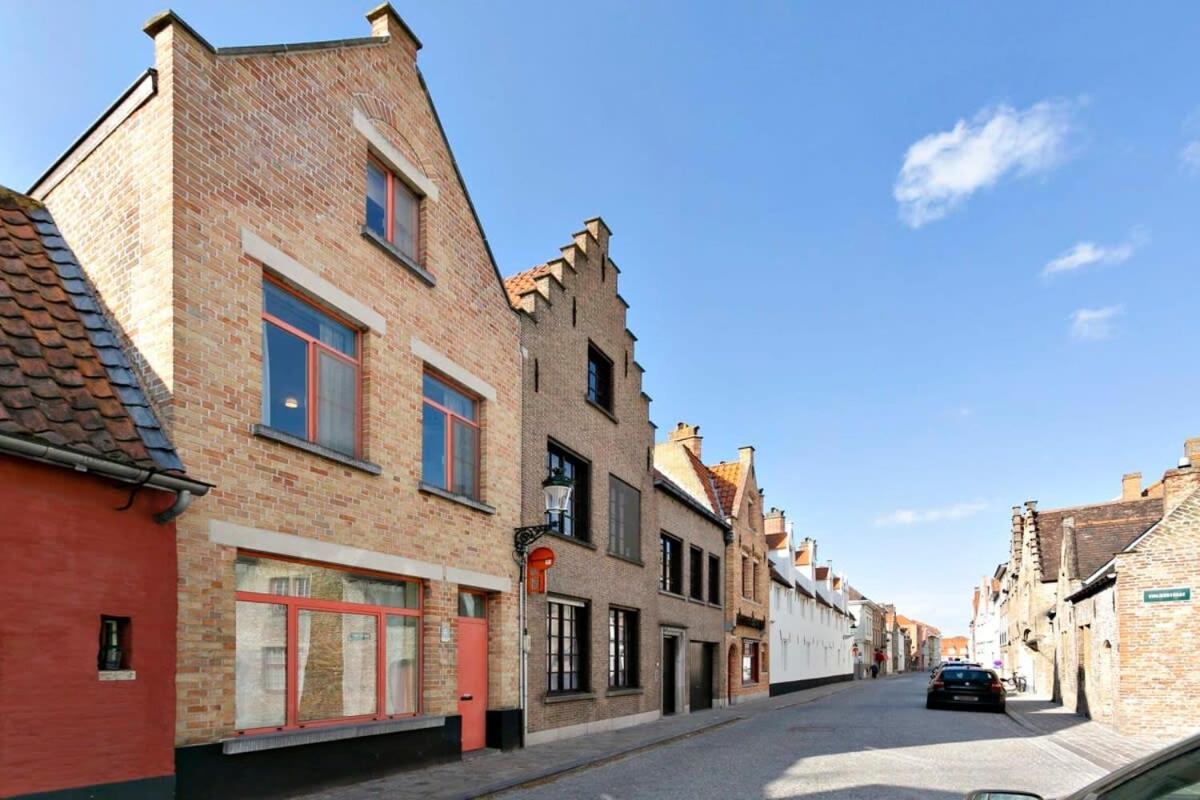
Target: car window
[[1177, 779], [965, 675]]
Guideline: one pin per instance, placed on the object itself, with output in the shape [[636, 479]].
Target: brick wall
[[749, 543], [265, 141]]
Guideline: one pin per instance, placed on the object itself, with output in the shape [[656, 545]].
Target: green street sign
[[1166, 595]]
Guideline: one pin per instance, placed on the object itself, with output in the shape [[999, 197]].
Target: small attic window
[[599, 378], [574, 312]]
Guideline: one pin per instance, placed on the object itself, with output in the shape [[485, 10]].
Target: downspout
[[185, 489]]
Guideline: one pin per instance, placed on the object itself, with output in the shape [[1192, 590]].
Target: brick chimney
[[775, 522], [688, 436], [1180, 482], [1131, 486]]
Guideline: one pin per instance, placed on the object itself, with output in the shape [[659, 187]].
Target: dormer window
[[393, 210]]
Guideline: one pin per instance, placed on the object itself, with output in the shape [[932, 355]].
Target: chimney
[[1131, 486], [1180, 482], [386, 22], [775, 522], [688, 436]]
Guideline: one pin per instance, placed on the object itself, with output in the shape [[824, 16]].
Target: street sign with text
[[1166, 595]]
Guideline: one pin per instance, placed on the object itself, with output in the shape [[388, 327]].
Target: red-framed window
[[450, 437], [349, 650], [312, 371], [393, 209]]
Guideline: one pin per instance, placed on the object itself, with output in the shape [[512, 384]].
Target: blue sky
[[930, 261]]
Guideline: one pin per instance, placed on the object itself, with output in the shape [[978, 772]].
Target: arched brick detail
[[392, 125]]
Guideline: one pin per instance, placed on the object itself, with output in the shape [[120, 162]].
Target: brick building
[[1037, 540], [1126, 615], [594, 641], [732, 487], [288, 245], [87, 578]]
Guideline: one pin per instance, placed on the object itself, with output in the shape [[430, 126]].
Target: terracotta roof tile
[[706, 480], [726, 477], [1100, 531], [523, 283], [822, 573], [64, 378]]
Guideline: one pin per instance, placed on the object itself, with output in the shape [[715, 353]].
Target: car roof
[[1128, 771]]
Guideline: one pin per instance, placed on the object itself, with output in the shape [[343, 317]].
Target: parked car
[[965, 686], [939, 667], [1172, 773]]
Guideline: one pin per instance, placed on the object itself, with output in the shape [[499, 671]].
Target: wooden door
[[472, 673], [670, 653], [700, 675]]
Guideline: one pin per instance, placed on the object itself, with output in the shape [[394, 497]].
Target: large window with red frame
[[312, 373], [450, 438], [393, 209], [315, 645]]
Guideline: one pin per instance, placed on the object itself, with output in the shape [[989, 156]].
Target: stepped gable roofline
[[65, 380]]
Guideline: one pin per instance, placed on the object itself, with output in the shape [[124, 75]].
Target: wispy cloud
[[943, 169], [1091, 324], [1190, 156], [1086, 254], [908, 516]]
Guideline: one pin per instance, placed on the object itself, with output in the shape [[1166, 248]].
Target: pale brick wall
[[266, 142], [749, 540], [579, 303]]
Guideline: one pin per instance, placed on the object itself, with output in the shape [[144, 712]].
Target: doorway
[[700, 675], [670, 687], [472, 668]]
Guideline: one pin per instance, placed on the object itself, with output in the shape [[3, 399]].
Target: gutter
[[185, 489]]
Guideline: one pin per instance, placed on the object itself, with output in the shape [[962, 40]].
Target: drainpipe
[[185, 489]]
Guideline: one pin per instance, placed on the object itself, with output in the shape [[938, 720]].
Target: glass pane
[[285, 381], [376, 199], [404, 219], [336, 665], [269, 576], [466, 459], [449, 398], [471, 605], [433, 447], [337, 403], [300, 315], [261, 677], [402, 667]]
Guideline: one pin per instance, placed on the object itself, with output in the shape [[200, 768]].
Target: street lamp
[[556, 489]]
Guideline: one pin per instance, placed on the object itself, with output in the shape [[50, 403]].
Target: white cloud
[[1094, 323], [943, 169], [1190, 155], [1084, 254], [908, 516]]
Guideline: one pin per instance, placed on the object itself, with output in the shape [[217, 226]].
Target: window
[[472, 605], [566, 656], [749, 661], [393, 209], [347, 648], [1177, 778], [745, 577], [115, 636], [311, 372], [622, 648], [600, 378], [754, 580], [574, 521], [714, 580], [450, 439], [696, 573], [624, 519], [671, 577]]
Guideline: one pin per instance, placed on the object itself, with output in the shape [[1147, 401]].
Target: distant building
[[956, 648]]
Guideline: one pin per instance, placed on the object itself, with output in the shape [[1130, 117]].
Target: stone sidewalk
[[491, 772], [1092, 740]]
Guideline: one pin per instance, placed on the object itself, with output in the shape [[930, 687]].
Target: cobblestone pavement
[[867, 739]]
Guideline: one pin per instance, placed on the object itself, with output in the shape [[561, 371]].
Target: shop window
[[348, 643], [312, 377], [450, 438]]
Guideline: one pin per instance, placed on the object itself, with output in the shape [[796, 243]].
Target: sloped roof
[[775, 541], [706, 480], [1100, 531], [663, 481], [64, 379], [523, 283], [822, 573], [777, 576], [727, 476]]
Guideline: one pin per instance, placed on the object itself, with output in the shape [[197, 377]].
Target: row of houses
[[263, 263], [1095, 607]]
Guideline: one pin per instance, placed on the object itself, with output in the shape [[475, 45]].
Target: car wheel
[[929, 703]]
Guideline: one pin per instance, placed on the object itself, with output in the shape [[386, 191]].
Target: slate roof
[[726, 477], [1100, 531], [64, 379], [523, 283], [777, 576]]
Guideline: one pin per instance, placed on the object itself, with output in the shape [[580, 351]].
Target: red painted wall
[[67, 556]]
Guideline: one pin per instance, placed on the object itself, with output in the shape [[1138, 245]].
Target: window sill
[[461, 499], [668, 593], [567, 697], [600, 408], [563, 538], [697, 600], [622, 691], [329, 733], [630, 559], [401, 259], [117, 675], [267, 432]]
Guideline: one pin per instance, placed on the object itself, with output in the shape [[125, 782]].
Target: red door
[[472, 673]]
